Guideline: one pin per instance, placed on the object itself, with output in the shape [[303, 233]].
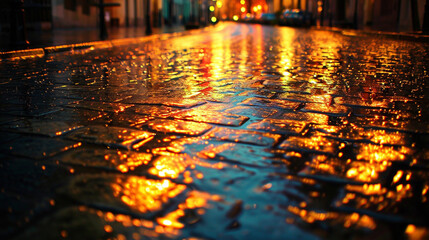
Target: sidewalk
[[58, 37], [411, 36]]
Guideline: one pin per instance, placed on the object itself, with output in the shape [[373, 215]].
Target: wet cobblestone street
[[230, 132]]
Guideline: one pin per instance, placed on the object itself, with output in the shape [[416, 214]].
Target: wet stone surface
[[231, 132]]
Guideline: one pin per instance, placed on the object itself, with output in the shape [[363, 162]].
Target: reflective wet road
[[230, 132]]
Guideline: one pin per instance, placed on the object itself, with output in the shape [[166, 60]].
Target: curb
[[40, 52], [37, 52], [419, 37]]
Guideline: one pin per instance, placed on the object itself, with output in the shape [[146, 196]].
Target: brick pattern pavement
[[240, 132]]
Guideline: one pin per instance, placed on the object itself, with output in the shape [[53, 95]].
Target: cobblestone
[[230, 132]]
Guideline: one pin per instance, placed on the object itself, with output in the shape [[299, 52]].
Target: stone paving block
[[358, 102], [380, 153], [156, 111], [333, 110], [41, 127], [246, 155], [132, 195], [179, 127], [163, 100], [273, 103], [101, 106], [384, 137], [123, 120], [244, 136], [75, 115], [100, 93], [123, 161], [217, 97], [111, 136], [361, 224], [294, 97], [307, 117], [392, 123], [22, 110], [279, 126], [213, 106], [184, 103], [178, 167], [37, 147], [355, 134], [211, 117], [259, 93], [311, 144], [394, 204], [257, 112], [188, 145]]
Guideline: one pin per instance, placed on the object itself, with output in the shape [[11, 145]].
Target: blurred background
[[51, 22]]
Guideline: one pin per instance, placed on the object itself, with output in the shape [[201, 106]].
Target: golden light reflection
[[317, 143], [170, 166], [365, 171], [367, 189], [384, 137], [144, 194], [129, 161], [145, 228], [415, 232], [195, 200], [178, 126], [311, 216], [377, 153], [287, 56], [323, 164], [349, 220]]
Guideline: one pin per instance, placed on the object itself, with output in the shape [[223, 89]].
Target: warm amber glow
[[379, 153], [170, 166], [144, 194], [195, 200], [416, 233]]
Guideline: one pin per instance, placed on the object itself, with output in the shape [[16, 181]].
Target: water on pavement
[[231, 132]]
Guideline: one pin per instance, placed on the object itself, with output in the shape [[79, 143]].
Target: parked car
[[296, 18], [268, 18]]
